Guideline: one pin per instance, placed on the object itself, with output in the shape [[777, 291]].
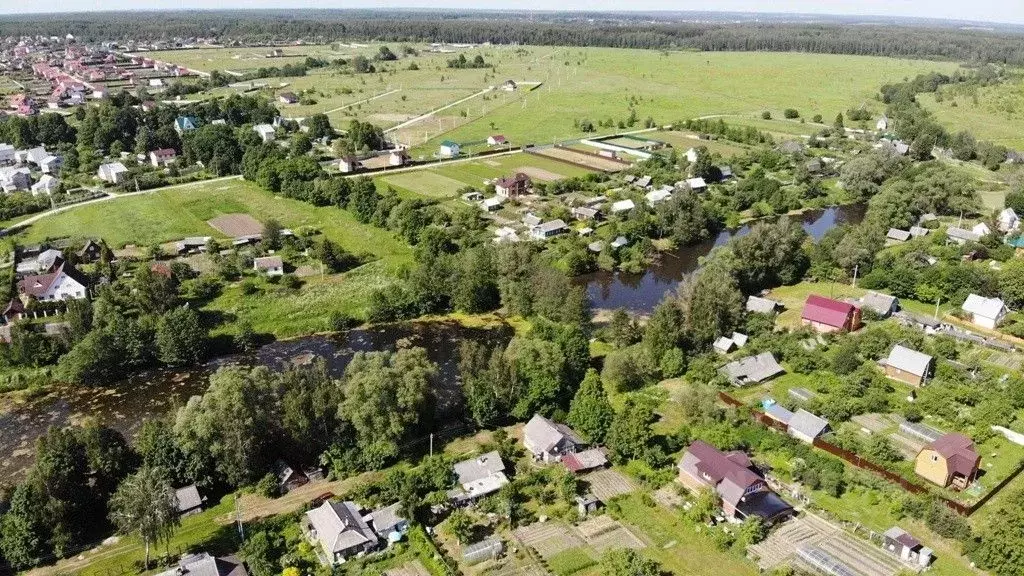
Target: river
[[640, 293], [151, 394]]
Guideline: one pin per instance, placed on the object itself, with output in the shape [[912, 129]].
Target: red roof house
[[731, 475], [512, 186], [828, 315]]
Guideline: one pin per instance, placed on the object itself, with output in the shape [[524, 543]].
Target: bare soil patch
[[582, 159], [235, 225], [540, 174], [607, 484]]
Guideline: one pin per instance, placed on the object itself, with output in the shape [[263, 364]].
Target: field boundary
[[860, 462]]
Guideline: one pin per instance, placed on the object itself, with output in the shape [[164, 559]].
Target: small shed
[[806, 426], [189, 500], [587, 504]]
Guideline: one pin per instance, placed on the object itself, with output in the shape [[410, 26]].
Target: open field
[[159, 217], [239, 59], [992, 113], [588, 83], [683, 141], [576, 157], [445, 180]]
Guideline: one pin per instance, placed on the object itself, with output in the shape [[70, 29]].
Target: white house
[[46, 185], [63, 283], [696, 184], [13, 178], [6, 154], [985, 312], [162, 157], [112, 172], [449, 149], [348, 164], [548, 441], [265, 131], [691, 155], [51, 164], [1008, 221]]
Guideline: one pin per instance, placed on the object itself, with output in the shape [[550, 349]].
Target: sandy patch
[[235, 225]]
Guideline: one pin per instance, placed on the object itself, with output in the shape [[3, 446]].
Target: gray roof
[[203, 564], [984, 307], [542, 434], [188, 498], [482, 549], [780, 413], [909, 360], [752, 368], [962, 234], [552, 226], [761, 305], [897, 234], [340, 526], [385, 519], [480, 467], [878, 302], [807, 424], [916, 231]]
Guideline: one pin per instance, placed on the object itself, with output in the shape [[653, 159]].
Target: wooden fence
[[864, 464]]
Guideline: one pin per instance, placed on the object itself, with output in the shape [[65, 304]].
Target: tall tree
[[145, 505], [590, 412]]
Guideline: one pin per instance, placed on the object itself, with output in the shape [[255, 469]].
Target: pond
[[640, 293], [151, 394]]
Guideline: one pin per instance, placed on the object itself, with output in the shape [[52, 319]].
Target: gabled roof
[[39, 284], [480, 467], [513, 181], [881, 303], [188, 498], [267, 262], [449, 144], [959, 452], [962, 234], [807, 424], [203, 564], [827, 311], [897, 234], [984, 307], [585, 460], [752, 368], [543, 434], [385, 519], [717, 466], [908, 360], [340, 526], [762, 305], [623, 206]]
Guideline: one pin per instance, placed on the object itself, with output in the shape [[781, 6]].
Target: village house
[[287, 98], [696, 184], [548, 441], [657, 196], [64, 282], [981, 229], [828, 315], [548, 229], [806, 427], [14, 178], [907, 365], [760, 305], [883, 305], [192, 245], [50, 164], [203, 564], [189, 500], [269, 265], [6, 154], [288, 478], [961, 236], [585, 213], [266, 132], [348, 164], [397, 158], [742, 492], [985, 312], [184, 124], [13, 311], [951, 461], [449, 149], [752, 369], [162, 157], [91, 251], [585, 461], [340, 530], [726, 344], [896, 236], [512, 186], [492, 204], [622, 206], [112, 172], [496, 140], [388, 523], [1008, 221], [918, 231], [478, 477]]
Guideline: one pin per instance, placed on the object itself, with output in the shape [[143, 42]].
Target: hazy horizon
[[990, 11]]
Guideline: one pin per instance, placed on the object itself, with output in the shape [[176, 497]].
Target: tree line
[[428, 26]]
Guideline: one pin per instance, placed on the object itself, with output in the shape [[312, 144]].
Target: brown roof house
[[64, 282], [731, 475], [512, 186], [828, 315], [909, 366], [548, 441], [950, 461]]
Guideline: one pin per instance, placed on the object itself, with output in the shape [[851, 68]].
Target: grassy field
[[683, 141], [993, 113], [598, 83], [445, 180], [240, 59], [163, 216]]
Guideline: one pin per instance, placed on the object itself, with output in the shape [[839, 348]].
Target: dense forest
[[507, 28]]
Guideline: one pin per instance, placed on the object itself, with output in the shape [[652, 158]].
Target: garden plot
[[604, 533], [414, 568], [583, 159], [235, 225], [540, 174], [908, 447], [873, 423], [779, 548], [607, 484], [549, 538]]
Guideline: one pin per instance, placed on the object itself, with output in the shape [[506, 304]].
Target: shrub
[[791, 113], [766, 115]]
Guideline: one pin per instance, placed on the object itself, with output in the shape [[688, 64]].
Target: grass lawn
[[239, 59], [990, 113], [570, 561], [683, 141], [793, 298], [675, 543], [164, 216], [307, 310], [598, 83], [200, 532]]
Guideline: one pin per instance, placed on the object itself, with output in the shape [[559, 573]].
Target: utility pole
[[238, 518], [431, 443], [937, 300], [856, 268]]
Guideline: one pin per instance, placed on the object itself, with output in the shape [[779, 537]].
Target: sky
[[1005, 11]]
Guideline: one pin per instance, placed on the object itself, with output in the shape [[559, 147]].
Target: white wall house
[[985, 312]]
